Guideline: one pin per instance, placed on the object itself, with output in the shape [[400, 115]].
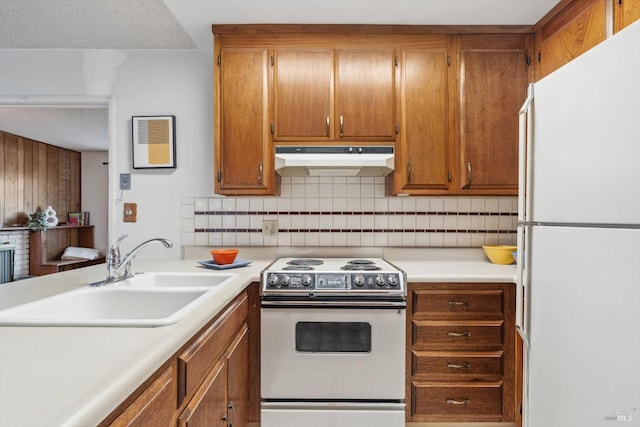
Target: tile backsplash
[[341, 211]]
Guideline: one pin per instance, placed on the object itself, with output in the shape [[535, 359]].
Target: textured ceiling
[[186, 24], [80, 129]]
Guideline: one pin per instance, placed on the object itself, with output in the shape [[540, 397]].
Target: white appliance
[[332, 343], [579, 240], [333, 160]]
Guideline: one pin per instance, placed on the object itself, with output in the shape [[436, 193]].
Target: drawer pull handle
[[454, 303], [458, 402], [459, 334], [465, 365]]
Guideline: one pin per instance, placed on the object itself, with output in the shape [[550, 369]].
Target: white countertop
[[75, 376]]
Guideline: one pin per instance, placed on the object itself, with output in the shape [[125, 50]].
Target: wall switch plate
[[125, 181], [130, 212], [269, 227]]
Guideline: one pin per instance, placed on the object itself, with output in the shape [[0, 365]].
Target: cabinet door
[[209, 405], [302, 95], [238, 379], [576, 29], [365, 94], [422, 156], [155, 406], [493, 85], [627, 12], [242, 151]]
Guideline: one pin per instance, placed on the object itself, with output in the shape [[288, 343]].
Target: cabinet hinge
[[273, 128], [539, 57], [448, 60], [273, 60], [219, 176], [219, 60], [397, 128]]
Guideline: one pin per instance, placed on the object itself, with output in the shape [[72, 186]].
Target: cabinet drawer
[[439, 302], [458, 399], [434, 334], [459, 365], [195, 362]]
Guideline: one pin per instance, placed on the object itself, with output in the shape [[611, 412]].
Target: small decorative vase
[[50, 217]]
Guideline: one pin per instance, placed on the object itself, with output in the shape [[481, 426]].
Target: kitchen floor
[[440, 425]]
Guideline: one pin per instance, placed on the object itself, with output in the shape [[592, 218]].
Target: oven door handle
[[334, 304]]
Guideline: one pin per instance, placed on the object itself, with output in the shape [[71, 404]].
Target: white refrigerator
[[578, 287]]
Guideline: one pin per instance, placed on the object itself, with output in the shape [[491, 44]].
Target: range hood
[[334, 160]]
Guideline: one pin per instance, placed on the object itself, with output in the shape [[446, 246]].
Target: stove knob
[[359, 280], [306, 280], [393, 280], [273, 279], [380, 280], [285, 280]]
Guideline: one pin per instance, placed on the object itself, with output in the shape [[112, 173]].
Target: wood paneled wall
[[36, 175]]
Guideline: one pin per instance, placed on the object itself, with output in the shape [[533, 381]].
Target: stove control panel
[[354, 281]]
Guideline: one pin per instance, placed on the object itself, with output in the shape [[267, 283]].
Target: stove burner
[[360, 262], [298, 267], [360, 267], [305, 261]]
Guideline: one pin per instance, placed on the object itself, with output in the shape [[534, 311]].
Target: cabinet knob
[[457, 303], [465, 365], [468, 184], [459, 334], [458, 401]]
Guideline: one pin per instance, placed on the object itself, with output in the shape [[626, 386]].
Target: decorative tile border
[[341, 211]]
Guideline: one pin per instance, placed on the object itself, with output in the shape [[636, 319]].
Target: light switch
[[125, 181]]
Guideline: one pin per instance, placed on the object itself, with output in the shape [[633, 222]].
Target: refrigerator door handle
[[521, 282], [524, 158], [524, 212]]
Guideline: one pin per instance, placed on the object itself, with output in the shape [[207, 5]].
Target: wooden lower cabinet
[[155, 406], [461, 358], [206, 383], [209, 405]]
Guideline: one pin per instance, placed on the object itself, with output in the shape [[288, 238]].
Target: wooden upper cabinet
[[626, 12], [423, 154], [303, 96], [570, 33], [243, 155], [334, 95], [493, 85], [365, 94]]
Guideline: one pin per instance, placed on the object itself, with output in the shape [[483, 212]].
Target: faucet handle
[[114, 250]]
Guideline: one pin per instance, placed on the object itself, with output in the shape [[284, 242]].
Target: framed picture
[[154, 142]]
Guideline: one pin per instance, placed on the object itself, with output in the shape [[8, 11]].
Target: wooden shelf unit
[[46, 249]]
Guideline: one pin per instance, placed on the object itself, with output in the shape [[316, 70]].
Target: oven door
[[326, 352]]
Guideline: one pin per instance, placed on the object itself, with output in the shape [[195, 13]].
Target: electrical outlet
[[130, 212], [125, 181], [269, 227]]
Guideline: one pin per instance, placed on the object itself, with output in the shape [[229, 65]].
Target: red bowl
[[224, 256]]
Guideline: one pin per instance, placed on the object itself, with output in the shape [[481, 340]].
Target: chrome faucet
[[117, 269]]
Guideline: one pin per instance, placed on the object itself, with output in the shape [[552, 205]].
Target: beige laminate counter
[[75, 376]]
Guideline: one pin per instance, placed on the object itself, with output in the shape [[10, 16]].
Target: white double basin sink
[[145, 300]]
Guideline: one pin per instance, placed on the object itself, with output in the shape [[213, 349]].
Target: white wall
[[141, 82], [95, 179]]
